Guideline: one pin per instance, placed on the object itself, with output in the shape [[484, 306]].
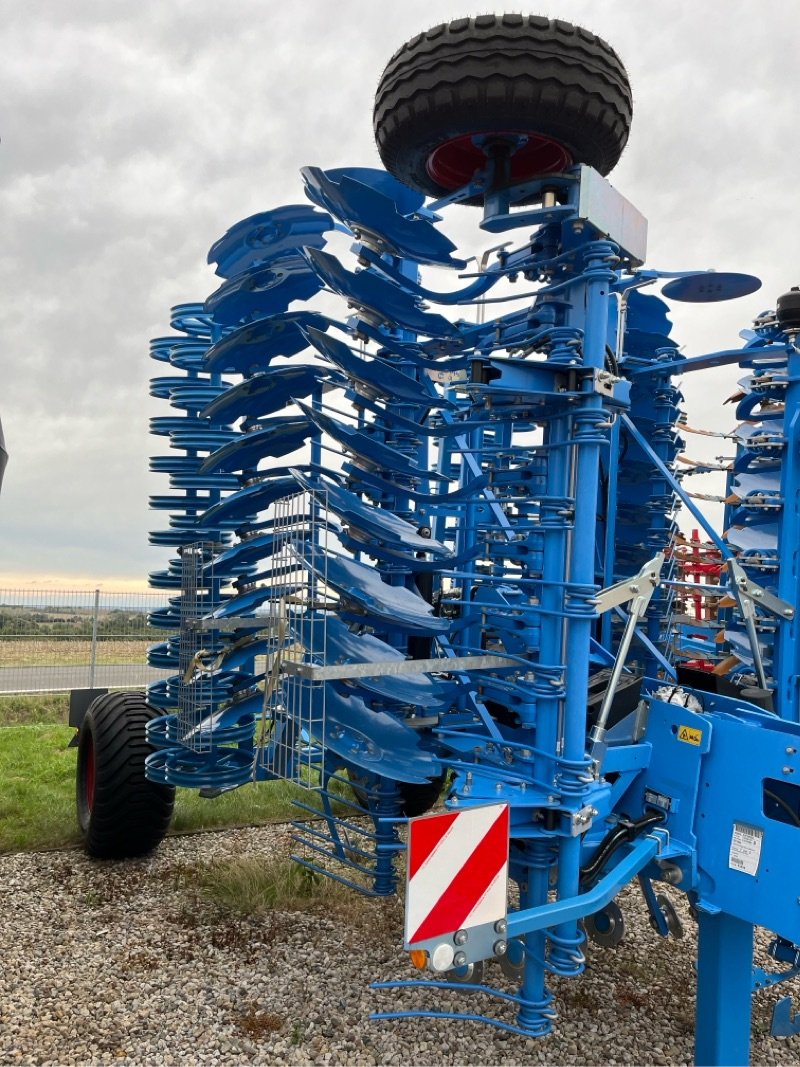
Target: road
[[43, 679]]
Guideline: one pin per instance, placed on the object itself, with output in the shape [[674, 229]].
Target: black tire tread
[[419, 798], [442, 38], [476, 75], [130, 815]]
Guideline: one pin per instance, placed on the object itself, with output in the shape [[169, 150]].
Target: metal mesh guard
[[291, 737]]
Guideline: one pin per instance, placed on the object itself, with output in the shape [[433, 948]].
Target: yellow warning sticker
[[690, 735]]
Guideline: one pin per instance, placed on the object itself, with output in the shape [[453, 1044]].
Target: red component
[[90, 775], [453, 163], [427, 834], [700, 664], [704, 561]]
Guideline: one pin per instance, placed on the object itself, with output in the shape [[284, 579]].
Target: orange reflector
[[419, 957]]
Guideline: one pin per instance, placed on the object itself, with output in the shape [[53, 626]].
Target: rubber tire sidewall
[[130, 815]]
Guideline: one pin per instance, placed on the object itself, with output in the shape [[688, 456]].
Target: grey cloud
[[134, 134]]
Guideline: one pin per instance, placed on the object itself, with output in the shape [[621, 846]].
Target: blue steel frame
[[536, 454]]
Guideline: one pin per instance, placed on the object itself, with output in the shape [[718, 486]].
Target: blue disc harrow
[[424, 520]]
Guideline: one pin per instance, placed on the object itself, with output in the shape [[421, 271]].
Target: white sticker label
[[745, 853]]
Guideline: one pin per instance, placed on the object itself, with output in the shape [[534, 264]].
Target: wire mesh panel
[[54, 640], [292, 734], [199, 596]]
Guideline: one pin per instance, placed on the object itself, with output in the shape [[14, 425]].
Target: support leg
[[724, 991]]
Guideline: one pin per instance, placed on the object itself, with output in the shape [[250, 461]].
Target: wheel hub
[[453, 163]]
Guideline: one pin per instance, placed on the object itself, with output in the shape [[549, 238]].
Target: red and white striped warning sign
[[457, 871]]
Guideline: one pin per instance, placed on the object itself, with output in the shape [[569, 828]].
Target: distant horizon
[[14, 581]]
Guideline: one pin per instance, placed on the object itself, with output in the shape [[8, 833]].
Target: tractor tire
[[561, 86], [121, 814]]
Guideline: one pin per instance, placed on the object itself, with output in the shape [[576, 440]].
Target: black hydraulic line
[[793, 815], [611, 360], [619, 835]]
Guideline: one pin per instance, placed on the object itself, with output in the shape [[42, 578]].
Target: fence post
[[95, 616]]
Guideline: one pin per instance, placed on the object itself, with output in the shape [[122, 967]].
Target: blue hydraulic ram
[[431, 546]]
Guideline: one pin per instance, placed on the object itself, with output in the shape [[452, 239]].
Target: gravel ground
[[129, 963]]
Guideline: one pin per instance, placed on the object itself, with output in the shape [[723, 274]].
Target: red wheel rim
[[90, 775], [453, 163]]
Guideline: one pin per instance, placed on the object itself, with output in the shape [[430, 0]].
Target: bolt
[[500, 926], [790, 751], [460, 937], [788, 770], [500, 948], [459, 959]]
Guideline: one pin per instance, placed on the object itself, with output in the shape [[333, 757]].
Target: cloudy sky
[[135, 132]]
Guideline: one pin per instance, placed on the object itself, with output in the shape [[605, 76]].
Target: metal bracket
[[581, 821], [381, 668], [753, 593], [783, 1023], [603, 382], [640, 585], [639, 591], [747, 594], [258, 623]]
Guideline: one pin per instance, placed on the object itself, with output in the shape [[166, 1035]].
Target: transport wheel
[[548, 94], [120, 812]]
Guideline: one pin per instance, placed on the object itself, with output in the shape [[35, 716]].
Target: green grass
[[27, 709], [37, 788], [37, 783], [251, 805], [253, 886]]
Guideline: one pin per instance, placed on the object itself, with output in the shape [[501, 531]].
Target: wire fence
[[51, 641]]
